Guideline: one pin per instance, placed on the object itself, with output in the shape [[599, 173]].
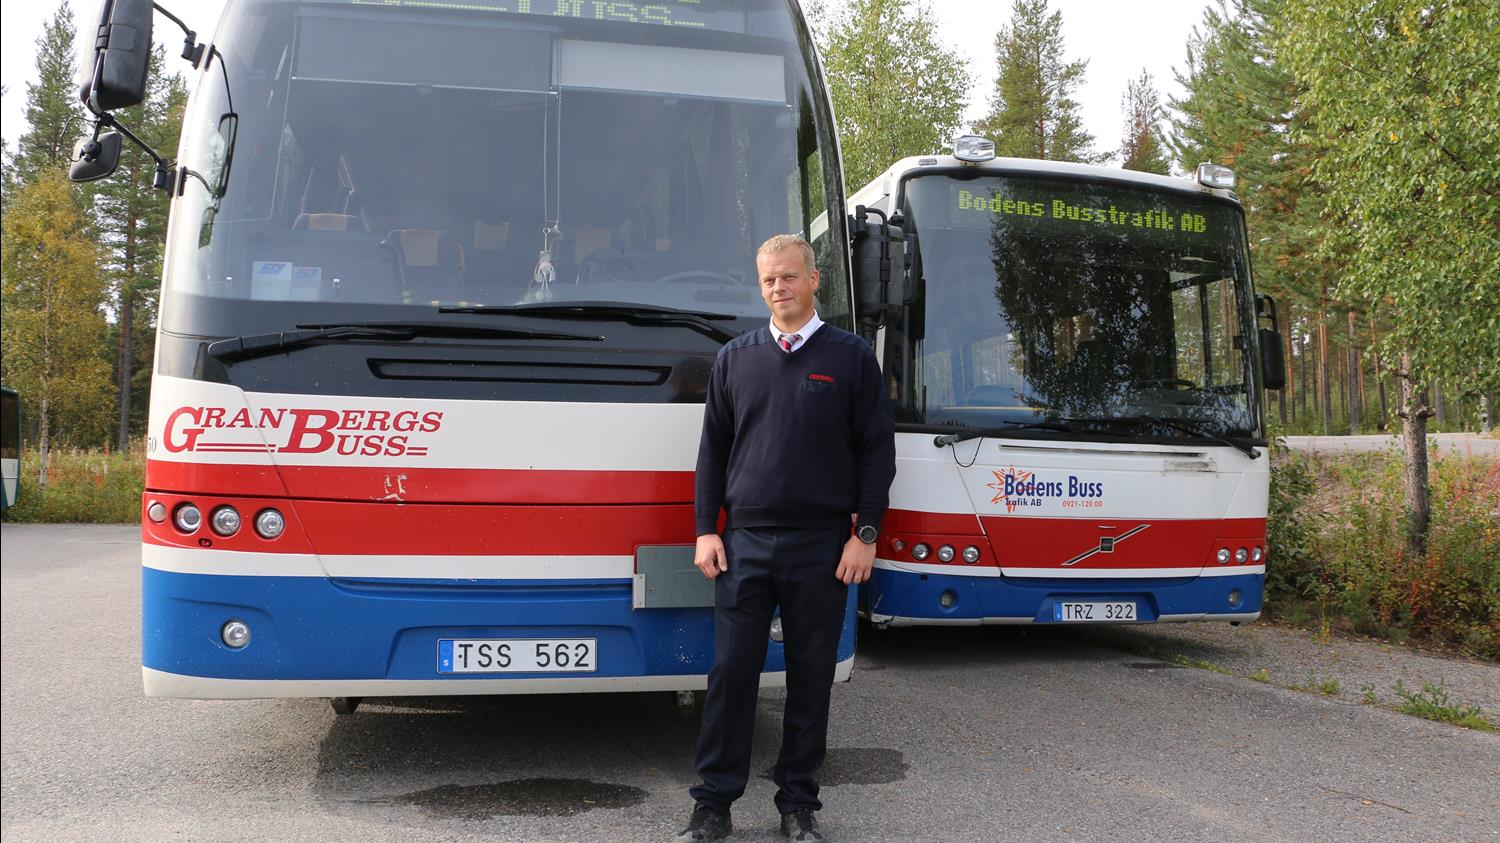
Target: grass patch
[[1201, 665], [1261, 675], [1338, 560], [91, 487], [1327, 687], [1433, 703]]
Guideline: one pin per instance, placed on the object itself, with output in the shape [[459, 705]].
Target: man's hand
[[855, 565], [709, 557]]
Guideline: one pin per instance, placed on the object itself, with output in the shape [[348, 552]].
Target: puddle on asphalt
[[859, 765], [522, 797]]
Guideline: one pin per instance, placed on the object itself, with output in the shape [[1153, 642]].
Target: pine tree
[[52, 351], [1032, 112], [892, 96], [132, 216], [54, 116], [1144, 149]]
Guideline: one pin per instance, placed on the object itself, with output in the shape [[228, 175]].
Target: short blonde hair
[[790, 241]]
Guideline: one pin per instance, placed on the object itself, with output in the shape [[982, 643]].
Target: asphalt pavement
[[944, 734]]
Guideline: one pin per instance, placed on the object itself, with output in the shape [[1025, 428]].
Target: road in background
[[944, 734], [1469, 444]]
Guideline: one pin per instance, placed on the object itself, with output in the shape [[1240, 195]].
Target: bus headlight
[[971, 554], [1216, 175], [1240, 556], [187, 518], [156, 512], [1256, 554], [920, 552], [225, 521], [1222, 556], [945, 553], [269, 523], [974, 149]]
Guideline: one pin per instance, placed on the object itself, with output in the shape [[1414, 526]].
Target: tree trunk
[[1356, 384], [1305, 391], [1417, 505], [43, 446], [126, 366], [1486, 411], [1437, 404], [1325, 382], [1379, 374]]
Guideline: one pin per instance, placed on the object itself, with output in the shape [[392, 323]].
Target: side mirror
[[95, 157], [10, 446], [879, 253], [122, 49], [1272, 359]]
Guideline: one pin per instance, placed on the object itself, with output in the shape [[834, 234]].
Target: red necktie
[[787, 341]]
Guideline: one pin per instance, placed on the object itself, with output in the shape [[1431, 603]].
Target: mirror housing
[[1272, 358], [122, 49], [95, 157], [878, 250]]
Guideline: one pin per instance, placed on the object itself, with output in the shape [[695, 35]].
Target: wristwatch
[[868, 533]]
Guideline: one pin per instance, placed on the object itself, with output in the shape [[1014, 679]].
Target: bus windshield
[[1092, 301], [392, 162]]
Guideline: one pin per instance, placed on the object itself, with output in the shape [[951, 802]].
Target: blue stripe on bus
[[908, 595], [315, 628]]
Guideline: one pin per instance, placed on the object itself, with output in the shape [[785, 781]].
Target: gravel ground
[[1304, 660]]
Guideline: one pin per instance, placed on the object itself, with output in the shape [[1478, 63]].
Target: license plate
[[1096, 611], [517, 655]]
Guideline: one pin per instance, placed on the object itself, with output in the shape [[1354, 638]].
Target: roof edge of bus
[[1186, 184]]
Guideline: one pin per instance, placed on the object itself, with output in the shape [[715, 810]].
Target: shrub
[[82, 487]]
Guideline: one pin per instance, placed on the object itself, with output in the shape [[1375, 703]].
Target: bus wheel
[[345, 705]]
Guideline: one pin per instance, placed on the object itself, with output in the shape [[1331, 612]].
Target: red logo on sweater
[[822, 378]]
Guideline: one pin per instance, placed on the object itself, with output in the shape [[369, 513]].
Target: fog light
[[235, 634], [971, 554], [156, 512], [1216, 175], [974, 149], [269, 523], [898, 545], [188, 518], [920, 552], [776, 634], [225, 521], [947, 599], [1235, 597], [1256, 553], [1240, 556], [945, 553], [1222, 555]]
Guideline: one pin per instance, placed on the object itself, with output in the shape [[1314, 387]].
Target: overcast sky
[[1117, 38]]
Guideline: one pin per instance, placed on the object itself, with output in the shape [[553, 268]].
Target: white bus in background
[[1077, 377]]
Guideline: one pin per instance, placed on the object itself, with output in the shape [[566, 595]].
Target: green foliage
[[1144, 148], [82, 487], [897, 89], [51, 326], [1032, 111], [1433, 703], [1338, 548], [54, 116], [1400, 96]]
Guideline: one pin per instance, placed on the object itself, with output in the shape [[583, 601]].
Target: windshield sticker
[[967, 203], [271, 280], [1021, 489], [297, 430]]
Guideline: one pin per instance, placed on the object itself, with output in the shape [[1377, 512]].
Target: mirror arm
[[192, 48], [165, 177]]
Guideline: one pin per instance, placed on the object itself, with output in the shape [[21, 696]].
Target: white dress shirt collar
[[803, 333]]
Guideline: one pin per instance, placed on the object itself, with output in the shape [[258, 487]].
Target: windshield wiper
[[979, 432], [1190, 427], [636, 314], [261, 345]]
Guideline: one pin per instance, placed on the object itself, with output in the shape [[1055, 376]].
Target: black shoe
[[801, 825], [707, 824]]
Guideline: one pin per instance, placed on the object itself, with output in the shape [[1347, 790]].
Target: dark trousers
[[770, 566]]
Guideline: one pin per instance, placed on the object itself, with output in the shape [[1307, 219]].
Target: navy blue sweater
[[795, 440]]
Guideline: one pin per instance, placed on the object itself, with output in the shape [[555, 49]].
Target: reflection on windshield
[[384, 160], [1052, 299]]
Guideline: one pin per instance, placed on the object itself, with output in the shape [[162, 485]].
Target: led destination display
[[969, 206]]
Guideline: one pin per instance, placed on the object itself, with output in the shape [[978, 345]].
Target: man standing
[[797, 437]]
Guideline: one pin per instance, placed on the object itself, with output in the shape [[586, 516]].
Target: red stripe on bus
[[1028, 542], [423, 485]]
